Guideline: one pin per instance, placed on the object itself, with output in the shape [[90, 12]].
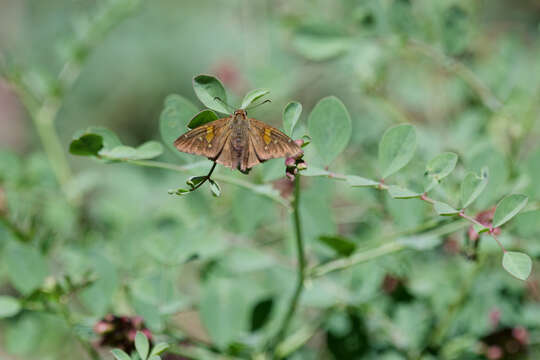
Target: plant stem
[[44, 123], [379, 251], [300, 270]]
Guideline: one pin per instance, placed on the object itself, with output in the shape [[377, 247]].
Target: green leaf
[[27, 267], [253, 96], [159, 349], [177, 113], [472, 186], [330, 128], [208, 88], [110, 139], [291, 114], [148, 150], [320, 42], [120, 354], [398, 192], [315, 171], [339, 244], [86, 145], [9, 306], [154, 357], [195, 180], [202, 118], [444, 209], [90, 141], [224, 309], [441, 165], [142, 345], [517, 264], [357, 181], [396, 148], [215, 188], [178, 191], [507, 208]]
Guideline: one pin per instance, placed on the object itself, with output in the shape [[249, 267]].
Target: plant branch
[[262, 190], [377, 252], [301, 265]]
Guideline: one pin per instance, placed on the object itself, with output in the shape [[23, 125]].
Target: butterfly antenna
[[227, 106], [259, 104]]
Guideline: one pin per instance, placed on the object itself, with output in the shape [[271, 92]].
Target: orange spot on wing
[[209, 133], [266, 136]]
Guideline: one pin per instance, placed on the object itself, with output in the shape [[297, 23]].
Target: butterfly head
[[240, 114]]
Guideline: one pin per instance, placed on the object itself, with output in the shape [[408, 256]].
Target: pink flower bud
[[102, 327], [147, 333], [301, 165], [299, 142], [290, 162], [521, 334], [137, 321], [290, 176], [494, 353]]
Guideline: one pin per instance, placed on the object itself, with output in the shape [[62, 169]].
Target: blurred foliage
[[213, 276]]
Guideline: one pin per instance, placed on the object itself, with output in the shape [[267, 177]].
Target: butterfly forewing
[[270, 143], [206, 140]]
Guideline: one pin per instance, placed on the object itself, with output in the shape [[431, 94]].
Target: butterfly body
[[238, 142]]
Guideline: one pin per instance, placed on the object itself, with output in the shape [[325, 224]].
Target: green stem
[[300, 272], [377, 252], [44, 123]]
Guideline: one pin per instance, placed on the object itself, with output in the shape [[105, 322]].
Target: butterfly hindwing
[[270, 143], [206, 140]]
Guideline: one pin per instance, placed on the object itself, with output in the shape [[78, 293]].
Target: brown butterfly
[[238, 142]]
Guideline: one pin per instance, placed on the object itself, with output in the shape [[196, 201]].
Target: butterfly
[[238, 142]]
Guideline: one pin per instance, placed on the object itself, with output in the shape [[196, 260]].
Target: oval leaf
[[120, 354], [9, 306], [159, 349], [507, 208], [202, 118], [253, 96], [27, 267], [396, 148], [86, 145], [211, 93], [398, 192], [517, 264], [291, 114], [441, 165], [176, 114], [149, 150], [444, 209], [472, 186], [330, 128], [142, 345], [357, 181], [215, 188], [339, 244]]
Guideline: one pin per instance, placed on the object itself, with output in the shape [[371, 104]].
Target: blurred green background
[[219, 271]]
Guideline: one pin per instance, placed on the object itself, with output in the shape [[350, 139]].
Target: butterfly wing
[[206, 140], [270, 143]]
